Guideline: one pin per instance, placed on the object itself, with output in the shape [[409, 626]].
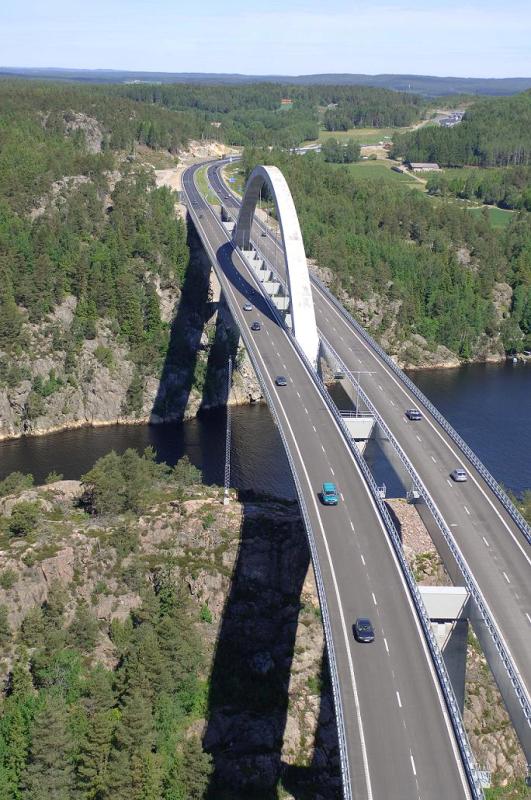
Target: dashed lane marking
[[488, 545], [506, 577], [386, 645], [399, 700], [363, 560], [374, 599], [467, 511]]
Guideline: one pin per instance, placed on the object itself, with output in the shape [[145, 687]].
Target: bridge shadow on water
[[248, 732]]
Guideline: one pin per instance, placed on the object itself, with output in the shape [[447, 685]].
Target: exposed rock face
[[94, 391], [77, 121], [270, 710]]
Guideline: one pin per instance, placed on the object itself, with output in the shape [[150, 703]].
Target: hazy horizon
[[398, 37]]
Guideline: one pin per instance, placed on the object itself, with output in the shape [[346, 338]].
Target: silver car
[[459, 475]]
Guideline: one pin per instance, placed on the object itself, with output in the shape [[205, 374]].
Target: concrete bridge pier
[[494, 658], [448, 609]]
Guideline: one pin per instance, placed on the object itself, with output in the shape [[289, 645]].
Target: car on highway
[[363, 630], [247, 307], [329, 494], [413, 414], [264, 233], [256, 326], [281, 381], [459, 475]]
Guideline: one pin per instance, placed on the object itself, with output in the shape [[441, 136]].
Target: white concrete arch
[[300, 290]]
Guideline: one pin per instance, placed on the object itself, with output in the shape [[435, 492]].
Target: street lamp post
[[228, 437]]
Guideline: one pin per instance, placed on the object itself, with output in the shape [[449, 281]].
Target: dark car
[[256, 326], [281, 381], [413, 414], [264, 233], [363, 630]]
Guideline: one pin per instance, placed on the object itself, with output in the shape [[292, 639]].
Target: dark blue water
[[489, 405]]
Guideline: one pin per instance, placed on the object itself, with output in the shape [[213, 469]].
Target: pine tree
[[133, 740], [93, 760], [49, 773]]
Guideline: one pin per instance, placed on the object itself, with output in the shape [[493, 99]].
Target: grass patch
[[234, 171], [380, 170], [499, 217], [362, 135], [204, 188]]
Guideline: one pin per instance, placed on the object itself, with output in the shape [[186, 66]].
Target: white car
[[459, 475]]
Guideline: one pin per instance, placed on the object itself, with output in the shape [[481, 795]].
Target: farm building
[[419, 166]]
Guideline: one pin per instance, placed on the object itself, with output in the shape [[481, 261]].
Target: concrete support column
[[448, 608]]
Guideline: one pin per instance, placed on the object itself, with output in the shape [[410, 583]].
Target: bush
[[24, 518], [15, 482], [53, 477], [5, 628], [8, 578], [103, 356]]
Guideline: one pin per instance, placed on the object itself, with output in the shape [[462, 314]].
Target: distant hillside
[[427, 85], [495, 132]]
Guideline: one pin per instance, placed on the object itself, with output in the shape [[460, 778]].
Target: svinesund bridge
[[397, 701]]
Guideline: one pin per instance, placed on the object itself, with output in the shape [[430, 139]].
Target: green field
[[380, 170], [362, 135], [499, 217]]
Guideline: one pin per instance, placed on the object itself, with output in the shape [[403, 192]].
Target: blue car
[[329, 494]]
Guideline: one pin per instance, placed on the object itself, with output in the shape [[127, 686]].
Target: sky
[[478, 38]]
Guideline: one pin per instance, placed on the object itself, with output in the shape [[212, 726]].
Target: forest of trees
[[505, 187], [252, 115], [495, 132], [107, 253], [337, 152], [73, 728], [385, 239]]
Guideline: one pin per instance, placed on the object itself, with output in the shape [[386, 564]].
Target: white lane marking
[[528, 617], [336, 589], [268, 333], [391, 402], [298, 393], [399, 700], [386, 645], [433, 459], [351, 524], [432, 425], [488, 545], [314, 429], [413, 763], [305, 409], [341, 495], [506, 577], [418, 437], [374, 599], [332, 471], [278, 354], [351, 350], [322, 448], [363, 560], [467, 511], [291, 379], [449, 482], [380, 388], [285, 367], [334, 578]]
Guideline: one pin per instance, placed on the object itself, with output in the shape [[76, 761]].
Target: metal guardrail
[[444, 680], [340, 720], [513, 512], [468, 578]]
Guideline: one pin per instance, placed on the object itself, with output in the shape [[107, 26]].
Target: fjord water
[[489, 405]]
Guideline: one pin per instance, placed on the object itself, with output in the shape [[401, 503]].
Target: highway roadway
[[399, 739], [497, 553]]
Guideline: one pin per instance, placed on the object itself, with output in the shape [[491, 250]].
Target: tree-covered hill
[[495, 132], [430, 268]]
